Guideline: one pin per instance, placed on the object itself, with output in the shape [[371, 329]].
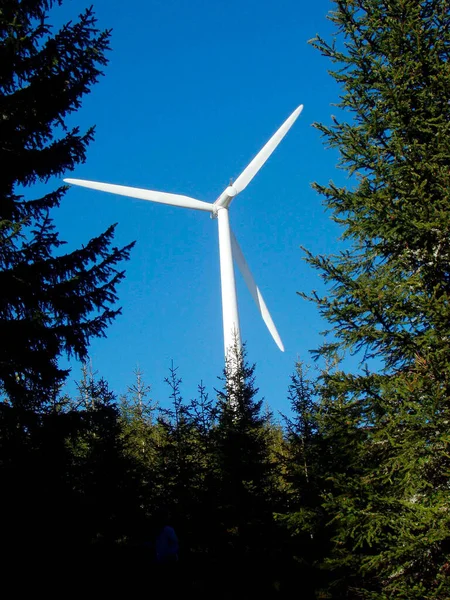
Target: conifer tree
[[105, 476], [388, 295], [305, 465], [138, 418], [246, 495], [177, 467], [203, 410], [52, 303]]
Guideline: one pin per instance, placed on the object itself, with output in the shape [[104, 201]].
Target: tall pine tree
[[389, 295], [51, 303], [246, 494], [305, 471]]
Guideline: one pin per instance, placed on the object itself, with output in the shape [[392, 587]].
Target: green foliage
[[47, 297], [138, 417], [302, 449], [245, 481], [351, 500], [241, 444], [389, 300], [177, 465]]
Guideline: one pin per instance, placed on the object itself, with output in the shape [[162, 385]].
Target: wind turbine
[[228, 247]]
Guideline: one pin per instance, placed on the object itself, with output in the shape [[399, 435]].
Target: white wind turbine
[[228, 247]]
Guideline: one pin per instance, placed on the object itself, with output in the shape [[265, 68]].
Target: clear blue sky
[[193, 90]]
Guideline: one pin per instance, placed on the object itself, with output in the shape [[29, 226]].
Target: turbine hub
[[225, 198], [231, 191]]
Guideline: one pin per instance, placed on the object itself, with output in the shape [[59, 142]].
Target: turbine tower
[[228, 247]]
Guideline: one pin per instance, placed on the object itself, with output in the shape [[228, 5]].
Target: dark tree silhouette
[[51, 303]]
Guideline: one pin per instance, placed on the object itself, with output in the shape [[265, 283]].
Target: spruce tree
[[245, 483], [138, 418], [305, 470], [52, 303], [388, 296], [177, 468]]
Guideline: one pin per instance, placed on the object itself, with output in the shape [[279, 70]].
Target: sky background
[[192, 92]]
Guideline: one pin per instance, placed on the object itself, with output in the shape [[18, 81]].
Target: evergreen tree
[[102, 472], [246, 498], [70, 493], [178, 469], [305, 469], [51, 303], [204, 420], [138, 417], [204, 412], [342, 441], [389, 296]]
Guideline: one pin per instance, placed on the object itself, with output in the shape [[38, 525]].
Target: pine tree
[[246, 497], [204, 412], [177, 466], [102, 472], [51, 303], [183, 476], [305, 470], [138, 417], [389, 295], [69, 488]]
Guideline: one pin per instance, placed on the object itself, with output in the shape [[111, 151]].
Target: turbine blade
[[132, 192], [254, 291], [247, 175]]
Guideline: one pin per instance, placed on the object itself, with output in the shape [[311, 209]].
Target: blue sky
[[192, 92]]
